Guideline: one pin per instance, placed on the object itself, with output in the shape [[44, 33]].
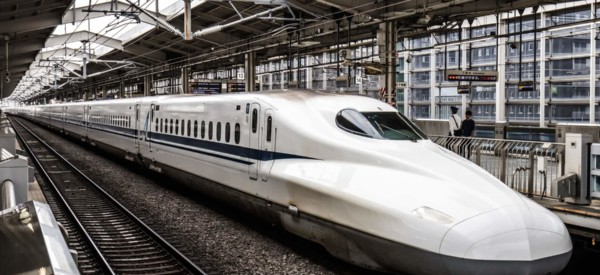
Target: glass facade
[[563, 57]]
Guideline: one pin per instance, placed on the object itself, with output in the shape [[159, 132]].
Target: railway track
[[108, 238]]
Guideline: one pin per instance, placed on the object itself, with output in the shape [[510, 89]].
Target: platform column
[[147, 85], [501, 84], [103, 92], [185, 80], [121, 89], [250, 70], [390, 58]]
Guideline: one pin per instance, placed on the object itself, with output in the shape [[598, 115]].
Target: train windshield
[[379, 125]]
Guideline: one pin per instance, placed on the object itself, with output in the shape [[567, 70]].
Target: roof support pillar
[[187, 21], [147, 85], [185, 80], [250, 70], [390, 59], [121, 89]]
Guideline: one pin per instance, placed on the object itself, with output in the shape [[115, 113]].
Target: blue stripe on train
[[196, 145]]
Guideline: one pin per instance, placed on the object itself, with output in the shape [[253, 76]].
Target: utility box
[[595, 170], [31, 242], [576, 162], [15, 169], [7, 137]]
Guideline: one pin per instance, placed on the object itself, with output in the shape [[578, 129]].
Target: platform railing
[[526, 166]]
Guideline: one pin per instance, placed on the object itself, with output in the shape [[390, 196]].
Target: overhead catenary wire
[[232, 46]]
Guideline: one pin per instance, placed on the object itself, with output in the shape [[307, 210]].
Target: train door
[[254, 142], [136, 125], [150, 124], [268, 145], [86, 119]]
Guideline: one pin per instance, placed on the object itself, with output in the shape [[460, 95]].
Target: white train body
[[399, 204]]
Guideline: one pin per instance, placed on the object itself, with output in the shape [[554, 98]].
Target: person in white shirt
[[454, 122]]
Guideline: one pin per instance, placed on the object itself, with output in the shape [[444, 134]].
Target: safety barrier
[[526, 166]]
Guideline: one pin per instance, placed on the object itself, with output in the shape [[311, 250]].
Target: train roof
[[275, 98]]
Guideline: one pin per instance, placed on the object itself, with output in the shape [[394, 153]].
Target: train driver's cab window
[[378, 125]]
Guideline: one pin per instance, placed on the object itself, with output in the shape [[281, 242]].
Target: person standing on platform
[[468, 128], [454, 122]]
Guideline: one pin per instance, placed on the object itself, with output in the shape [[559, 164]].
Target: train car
[[347, 172]]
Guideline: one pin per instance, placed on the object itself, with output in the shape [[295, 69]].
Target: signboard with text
[[206, 88], [460, 75]]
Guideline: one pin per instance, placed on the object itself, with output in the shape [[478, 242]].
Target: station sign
[[235, 87], [525, 86], [463, 89], [460, 75], [206, 88], [401, 85]]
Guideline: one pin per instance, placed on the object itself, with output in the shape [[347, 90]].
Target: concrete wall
[[590, 129], [438, 127]]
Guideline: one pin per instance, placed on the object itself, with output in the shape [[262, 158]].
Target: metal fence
[[526, 166]]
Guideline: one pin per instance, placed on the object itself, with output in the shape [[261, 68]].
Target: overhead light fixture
[[424, 20]]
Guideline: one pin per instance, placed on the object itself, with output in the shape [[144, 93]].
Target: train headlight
[[431, 214]]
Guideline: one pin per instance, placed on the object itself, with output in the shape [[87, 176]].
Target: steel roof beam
[[84, 36], [206, 16], [31, 23], [78, 14], [23, 46], [143, 52], [62, 52]]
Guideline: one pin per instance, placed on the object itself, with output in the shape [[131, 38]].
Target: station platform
[[581, 220]]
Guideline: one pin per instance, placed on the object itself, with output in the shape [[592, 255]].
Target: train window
[[202, 129], [189, 128], [269, 126], [177, 126], [156, 126], [237, 133], [183, 127], [218, 131], [195, 128], [254, 120], [161, 125], [380, 125], [171, 126], [227, 132], [210, 130]]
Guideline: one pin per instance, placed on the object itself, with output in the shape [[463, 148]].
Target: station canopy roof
[[44, 43]]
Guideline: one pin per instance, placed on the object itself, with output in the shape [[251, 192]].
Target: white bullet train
[[347, 172]]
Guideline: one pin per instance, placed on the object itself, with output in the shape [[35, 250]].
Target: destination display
[[236, 87], [525, 86], [206, 88], [459, 75]]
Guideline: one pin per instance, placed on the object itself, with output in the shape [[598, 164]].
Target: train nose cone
[[516, 239]]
